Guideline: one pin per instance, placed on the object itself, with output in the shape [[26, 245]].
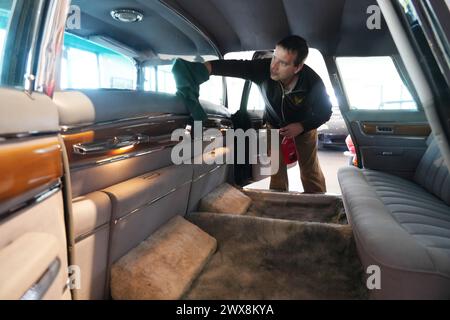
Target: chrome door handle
[[40, 288], [110, 144], [384, 129]]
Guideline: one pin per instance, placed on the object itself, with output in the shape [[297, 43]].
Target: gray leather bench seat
[[403, 227]]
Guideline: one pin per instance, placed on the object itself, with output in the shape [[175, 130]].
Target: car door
[[33, 247], [250, 116], [387, 124], [390, 130], [427, 26]]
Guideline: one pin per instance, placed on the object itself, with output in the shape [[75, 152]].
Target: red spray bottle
[[289, 150]]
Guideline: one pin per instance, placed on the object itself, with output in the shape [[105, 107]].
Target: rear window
[[88, 65]]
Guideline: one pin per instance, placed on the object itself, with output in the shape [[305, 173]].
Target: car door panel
[[119, 149], [32, 258], [33, 243], [390, 146], [393, 129], [386, 140], [106, 149], [47, 219], [32, 218]]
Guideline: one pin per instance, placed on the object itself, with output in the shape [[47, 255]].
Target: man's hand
[[292, 130], [208, 66]]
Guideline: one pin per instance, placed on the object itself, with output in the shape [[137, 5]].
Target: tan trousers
[[311, 174]]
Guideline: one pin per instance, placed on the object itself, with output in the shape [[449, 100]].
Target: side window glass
[[212, 90], [166, 81], [235, 86], [5, 12], [150, 83], [159, 78], [255, 99], [18, 19], [373, 83], [317, 63], [87, 65]]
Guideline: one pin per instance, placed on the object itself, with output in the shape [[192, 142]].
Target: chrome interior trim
[[110, 144], [96, 126], [40, 288], [25, 135], [206, 173], [54, 25], [151, 202], [144, 153], [90, 233], [118, 158], [218, 117], [34, 200], [151, 176]]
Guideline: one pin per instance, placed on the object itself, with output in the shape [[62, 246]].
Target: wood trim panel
[[419, 130], [29, 165]]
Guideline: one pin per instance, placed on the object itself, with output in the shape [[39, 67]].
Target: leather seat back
[[432, 173]]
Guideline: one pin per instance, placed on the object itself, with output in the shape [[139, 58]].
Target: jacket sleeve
[[320, 106], [253, 70]]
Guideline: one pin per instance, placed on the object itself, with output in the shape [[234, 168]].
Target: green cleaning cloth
[[188, 77]]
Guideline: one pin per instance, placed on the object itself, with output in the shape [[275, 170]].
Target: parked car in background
[[334, 132]]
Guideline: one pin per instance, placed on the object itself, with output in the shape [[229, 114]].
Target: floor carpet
[[263, 258]]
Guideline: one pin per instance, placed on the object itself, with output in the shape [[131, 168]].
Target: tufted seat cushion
[[403, 227]]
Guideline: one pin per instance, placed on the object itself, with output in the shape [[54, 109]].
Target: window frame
[[23, 46]]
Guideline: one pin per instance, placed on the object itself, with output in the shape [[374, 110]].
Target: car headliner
[[335, 27]]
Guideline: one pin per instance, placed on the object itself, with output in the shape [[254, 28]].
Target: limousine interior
[[93, 207]]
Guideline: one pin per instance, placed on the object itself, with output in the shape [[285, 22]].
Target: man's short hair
[[295, 44]]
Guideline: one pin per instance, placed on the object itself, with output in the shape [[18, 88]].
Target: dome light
[[127, 15]]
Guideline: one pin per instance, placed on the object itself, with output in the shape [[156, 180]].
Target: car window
[[6, 79], [212, 90], [255, 101], [374, 83], [88, 65], [113, 58], [235, 86], [20, 21], [158, 77], [317, 63], [5, 12]]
